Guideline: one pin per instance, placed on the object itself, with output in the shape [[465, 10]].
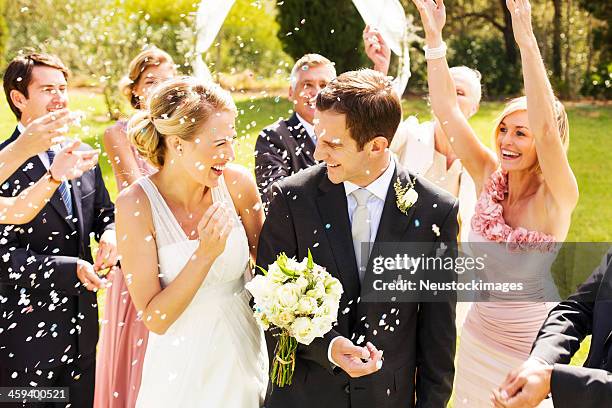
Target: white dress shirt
[[376, 203], [44, 158], [308, 127]]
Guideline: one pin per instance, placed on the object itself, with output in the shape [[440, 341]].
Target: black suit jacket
[[588, 311], [47, 318], [282, 149], [309, 212]]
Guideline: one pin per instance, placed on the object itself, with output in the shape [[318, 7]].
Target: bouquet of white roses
[[299, 300]]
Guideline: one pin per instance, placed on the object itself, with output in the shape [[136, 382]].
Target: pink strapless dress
[[123, 336], [497, 334]]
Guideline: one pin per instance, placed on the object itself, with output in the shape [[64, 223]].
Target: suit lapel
[[76, 193], [394, 227], [333, 210], [394, 224], [34, 169], [302, 137], [608, 338]]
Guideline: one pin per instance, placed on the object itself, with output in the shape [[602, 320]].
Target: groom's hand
[[525, 386], [354, 360]]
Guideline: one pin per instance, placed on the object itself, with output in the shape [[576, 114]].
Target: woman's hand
[[70, 163], [214, 228], [376, 49], [520, 10], [44, 132], [433, 17]]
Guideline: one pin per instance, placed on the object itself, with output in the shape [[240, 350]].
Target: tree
[[4, 30], [96, 39], [556, 48], [248, 40], [330, 28], [598, 79]]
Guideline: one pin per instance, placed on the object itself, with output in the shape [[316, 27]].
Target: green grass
[[589, 151]]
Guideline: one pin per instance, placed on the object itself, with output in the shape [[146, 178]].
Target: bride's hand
[[520, 10], [214, 228], [433, 17]]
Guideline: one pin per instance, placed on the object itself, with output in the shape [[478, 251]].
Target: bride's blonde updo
[[177, 107]]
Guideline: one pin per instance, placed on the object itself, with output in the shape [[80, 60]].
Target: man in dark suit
[[287, 146], [332, 209], [48, 307], [586, 312]]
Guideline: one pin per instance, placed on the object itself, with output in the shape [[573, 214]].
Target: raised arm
[[68, 164], [543, 111], [479, 161], [161, 307], [121, 157], [39, 136]]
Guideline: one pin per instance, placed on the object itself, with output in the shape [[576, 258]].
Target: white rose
[[302, 330], [307, 305], [322, 325], [260, 287], [288, 295], [284, 318], [409, 198], [329, 308], [302, 283]]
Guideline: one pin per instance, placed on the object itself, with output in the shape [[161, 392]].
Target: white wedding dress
[[214, 354]]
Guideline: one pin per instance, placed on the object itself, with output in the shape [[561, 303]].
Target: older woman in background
[[423, 148]]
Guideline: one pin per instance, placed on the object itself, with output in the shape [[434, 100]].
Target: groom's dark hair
[[366, 97], [18, 74]]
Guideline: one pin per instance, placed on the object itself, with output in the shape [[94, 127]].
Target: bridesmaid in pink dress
[[527, 195], [123, 336]]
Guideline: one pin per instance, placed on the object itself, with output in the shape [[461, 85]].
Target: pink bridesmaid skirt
[[121, 349], [496, 338]]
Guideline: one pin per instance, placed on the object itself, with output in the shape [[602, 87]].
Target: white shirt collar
[[20, 127], [308, 127], [378, 187]]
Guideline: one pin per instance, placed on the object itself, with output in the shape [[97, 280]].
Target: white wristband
[[435, 53]]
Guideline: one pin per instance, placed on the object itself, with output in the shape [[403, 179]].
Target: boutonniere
[[406, 195]]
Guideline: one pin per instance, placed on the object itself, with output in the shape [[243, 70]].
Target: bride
[[186, 234]]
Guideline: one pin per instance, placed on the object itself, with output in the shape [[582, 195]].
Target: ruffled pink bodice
[[488, 219]]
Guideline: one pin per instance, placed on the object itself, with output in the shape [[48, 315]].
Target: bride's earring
[[179, 149]]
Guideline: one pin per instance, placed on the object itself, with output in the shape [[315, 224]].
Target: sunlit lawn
[[589, 152]]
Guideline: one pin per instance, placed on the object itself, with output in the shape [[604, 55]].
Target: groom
[[331, 209]]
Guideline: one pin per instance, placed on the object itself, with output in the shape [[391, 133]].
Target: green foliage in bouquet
[[297, 301]]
